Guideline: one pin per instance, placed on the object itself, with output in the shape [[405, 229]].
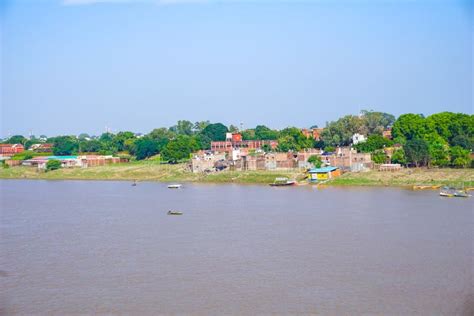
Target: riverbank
[[152, 171]]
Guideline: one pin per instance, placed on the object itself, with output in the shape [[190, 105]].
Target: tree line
[[442, 139]]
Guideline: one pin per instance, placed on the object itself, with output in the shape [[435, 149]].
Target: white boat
[[174, 186]]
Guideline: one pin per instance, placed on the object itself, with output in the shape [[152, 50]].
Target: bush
[[329, 149], [53, 164], [315, 160], [379, 156]]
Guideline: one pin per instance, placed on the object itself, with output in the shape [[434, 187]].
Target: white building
[[358, 138]]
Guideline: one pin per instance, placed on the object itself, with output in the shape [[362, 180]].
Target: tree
[[90, 146], [379, 156], [179, 149], [83, 136], [53, 164], [459, 157], [233, 129], [398, 156], [65, 145], [373, 143], [416, 152], [183, 127], [215, 132], [248, 134], [409, 126], [463, 141], [264, 133], [16, 139], [376, 122], [438, 149], [200, 126], [339, 133], [120, 139], [145, 147], [292, 138], [315, 161]]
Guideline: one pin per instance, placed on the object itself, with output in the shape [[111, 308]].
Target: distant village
[[371, 140]]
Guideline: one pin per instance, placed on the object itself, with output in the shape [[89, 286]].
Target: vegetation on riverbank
[[153, 171]]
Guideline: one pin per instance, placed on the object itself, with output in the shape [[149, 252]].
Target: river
[[97, 247]]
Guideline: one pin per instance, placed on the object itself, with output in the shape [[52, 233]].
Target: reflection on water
[[107, 247]]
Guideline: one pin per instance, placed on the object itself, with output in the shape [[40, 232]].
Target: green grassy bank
[[153, 171]]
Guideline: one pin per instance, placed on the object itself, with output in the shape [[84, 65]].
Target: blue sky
[[77, 66]]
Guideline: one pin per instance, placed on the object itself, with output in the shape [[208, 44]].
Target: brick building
[[11, 149]]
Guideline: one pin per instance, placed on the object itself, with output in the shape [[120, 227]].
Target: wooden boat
[[425, 187], [281, 182], [174, 186], [175, 213]]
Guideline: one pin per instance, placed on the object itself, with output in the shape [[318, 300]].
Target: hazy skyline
[[77, 66]]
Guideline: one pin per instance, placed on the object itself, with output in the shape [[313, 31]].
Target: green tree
[[248, 134], [463, 141], [292, 138], [120, 139], [417, 152], [459, 157], [408, 127], [373, 143], [53, 164], [315, 161], [65, 145], [264, 133], [145, 147], [90, 146], [438, 149], [200, 126], [233, 129], [183, 127], [379, 156], [215, 132], [398, 156], [16, 139], [339, 133], [179, 148], [376, 122]]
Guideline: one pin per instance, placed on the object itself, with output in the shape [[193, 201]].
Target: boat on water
[[281, 182], [175, 213], [174, 186], [134, 184], [452, 192], [461, 193]]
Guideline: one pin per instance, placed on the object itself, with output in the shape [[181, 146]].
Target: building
[[11, 149], [279, 161], [206, 161], [358, 138], [323, 174], [347, 158], [74, 161], [234, 141], [42, 148]]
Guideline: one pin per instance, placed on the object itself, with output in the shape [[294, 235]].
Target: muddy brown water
[[95, 247]]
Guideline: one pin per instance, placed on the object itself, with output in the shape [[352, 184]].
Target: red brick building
[[11, 149], [235, 142]]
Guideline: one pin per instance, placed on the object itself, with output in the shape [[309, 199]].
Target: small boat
[[175, 213], [134, 184], [446, 194], [281, 182], [461, 194], [174, 186]]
